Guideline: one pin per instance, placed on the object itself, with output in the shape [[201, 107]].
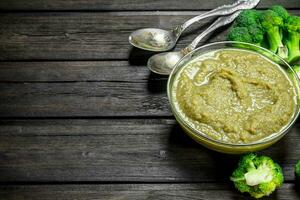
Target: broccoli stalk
[[292, 40], [257, 175], [297, 170], [272, 24], [296, 68]]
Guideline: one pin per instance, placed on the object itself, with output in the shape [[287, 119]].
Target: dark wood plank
[[76, 89], [83, 99], [85, 36], [137, 150], [209, 191], [103, 5], [87, 71]]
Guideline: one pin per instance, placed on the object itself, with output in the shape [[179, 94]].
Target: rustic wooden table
[[83, 118]]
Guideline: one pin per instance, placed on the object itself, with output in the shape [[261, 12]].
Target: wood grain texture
[[77, 36], [209, 191], [80, 89], [104, 5], [82, 99], [75, 71], [86, 36], [119, 150]]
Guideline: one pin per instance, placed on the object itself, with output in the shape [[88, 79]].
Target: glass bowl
[[218, 145]]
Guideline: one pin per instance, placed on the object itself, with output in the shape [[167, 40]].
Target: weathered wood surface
[[86, 35], [121, 150], [75, 71], [78, 36], [100, 125], [130, 5], [80, 89], [209, 191], [82, 99]]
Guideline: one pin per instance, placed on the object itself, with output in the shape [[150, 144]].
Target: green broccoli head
[[248, 18], [250, 34], [292, 39], [257, 175], [240, 34], [257, 35], [272, 23], [270, 19], [293, 24], [297, 170], [247, 28], [281, 11]]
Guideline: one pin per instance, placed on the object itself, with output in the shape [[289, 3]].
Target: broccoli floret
[[297, 170], [281, 11], [257, 35], [272, 23], [247, 28], [248, 18], [240, 34], [250, 34], [292, 40], [257, 175]]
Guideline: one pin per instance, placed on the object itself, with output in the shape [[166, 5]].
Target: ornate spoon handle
[[221, 21], [222, 10]]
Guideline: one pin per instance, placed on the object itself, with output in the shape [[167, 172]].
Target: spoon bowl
[[153, 39], [163, 63]]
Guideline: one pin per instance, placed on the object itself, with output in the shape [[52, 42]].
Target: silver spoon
[[154, 39], [163, 63]]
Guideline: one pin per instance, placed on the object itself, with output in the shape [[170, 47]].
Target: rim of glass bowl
[[231, 43]]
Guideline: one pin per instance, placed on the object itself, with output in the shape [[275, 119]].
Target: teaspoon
[[154, 39], [163, 63]]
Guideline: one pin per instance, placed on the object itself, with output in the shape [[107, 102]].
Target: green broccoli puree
[[234, 95]]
